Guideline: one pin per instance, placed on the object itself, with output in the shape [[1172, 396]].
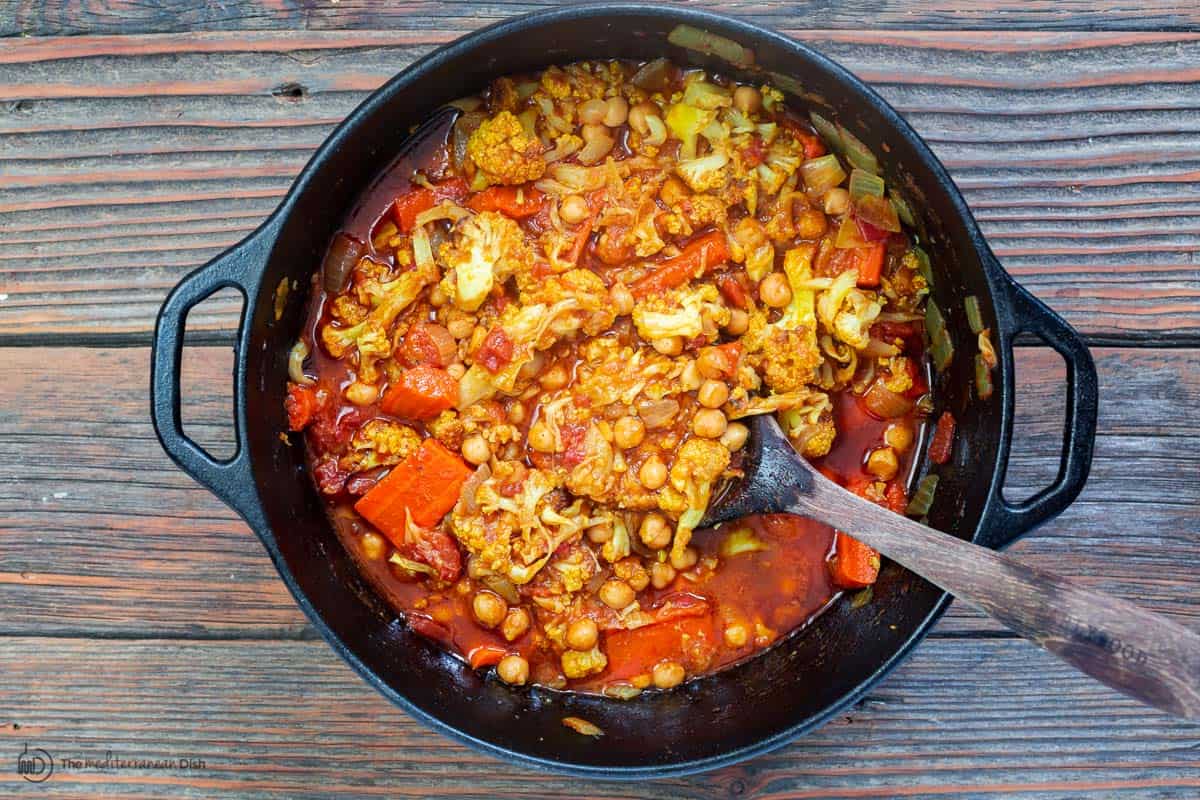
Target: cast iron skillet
[[710, 722]]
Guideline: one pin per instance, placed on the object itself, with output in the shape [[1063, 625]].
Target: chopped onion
[[653, 75], [741, 540], [877, 348], [942, 350], [658, 412], [884, 403], [987, 349], [923, 265], [822, 174], [848, 235], [876, 212], [708, 42], [935, 323], [296, 364], [903, 209]]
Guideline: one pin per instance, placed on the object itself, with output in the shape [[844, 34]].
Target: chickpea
[[668, 674], [811, 224], [460, 327], [515, 625], [739, 322], [616, 111], [736, 635], [456, 370], [362, 394], [669, 346], [639, 580], [600, 533], [713, 362], [653, 473], [554, 378], [490, 608], [616, 594], [747, 99], [573, 209], [735, 436], [597, 144], [686, 559], [883, 464], [582, 634], [709, 423], [629, 432], [655, 533], [662, 574], [374, 546], [898, 436], [513, 670], [476, 450], [638, 114], [592, 112], [541, 438], [712, 393], [775, 291], [836, 201], [516, 412], [622, 299]]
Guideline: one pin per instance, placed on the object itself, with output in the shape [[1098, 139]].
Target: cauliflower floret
[[515, 521], [705, 173], [370, 335], [485, 248], [809, 424], [578, 664], [686, 311], [447, 428], [787, 348], [697, 466], [848, 312], [591, 310], [702, 210], [593, 476], [379, 443], [505, 153]]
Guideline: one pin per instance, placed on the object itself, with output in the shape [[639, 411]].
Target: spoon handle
[[1122, 645]]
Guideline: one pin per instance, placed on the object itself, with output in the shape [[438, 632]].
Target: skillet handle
[[1010, 521], [240, 268]]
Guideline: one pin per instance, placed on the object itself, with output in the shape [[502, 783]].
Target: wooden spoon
[[1142, 654]]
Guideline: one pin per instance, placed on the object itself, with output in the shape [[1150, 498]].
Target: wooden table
[[139, 616]]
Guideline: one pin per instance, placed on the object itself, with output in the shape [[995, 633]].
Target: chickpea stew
[[530, 347]]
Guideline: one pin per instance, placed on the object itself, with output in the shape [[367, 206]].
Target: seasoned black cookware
[[713, 721]]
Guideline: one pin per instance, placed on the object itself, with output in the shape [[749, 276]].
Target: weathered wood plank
[[59, 17], [959, 720], [126, 161], [100, 532]]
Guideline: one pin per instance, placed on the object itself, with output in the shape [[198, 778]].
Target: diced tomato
[[496, 350], [301, 405], [733, 291], [942, 444], [436, 548], [419, 199], [330, 478], [574, 436], [428, 343], [896, 498], [422, 392], [754, 152]]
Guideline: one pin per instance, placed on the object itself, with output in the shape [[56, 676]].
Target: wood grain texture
[[100, 533], [61, 17], [288, 719], [126, 161]]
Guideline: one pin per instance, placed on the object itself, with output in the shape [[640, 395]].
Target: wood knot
[[293, 92]]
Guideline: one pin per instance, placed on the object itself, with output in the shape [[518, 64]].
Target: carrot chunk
[[422, 392], [424, 486], [517, 202], [701, 254], [870, 265], [855, 565]]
